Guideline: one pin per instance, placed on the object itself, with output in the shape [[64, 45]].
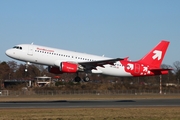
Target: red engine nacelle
[[65, 67], [69, 67]]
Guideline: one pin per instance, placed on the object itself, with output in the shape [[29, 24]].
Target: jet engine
[[54, 70], [66, 67]]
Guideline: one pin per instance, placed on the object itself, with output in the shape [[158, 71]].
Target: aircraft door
[[137, 68], [30, 50]]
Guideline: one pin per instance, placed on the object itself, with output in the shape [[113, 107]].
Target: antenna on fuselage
[[32, 43]]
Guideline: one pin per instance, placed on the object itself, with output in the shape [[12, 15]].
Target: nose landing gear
[[27, 64]]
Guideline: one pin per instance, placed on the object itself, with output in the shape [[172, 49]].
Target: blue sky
[[114, 28]]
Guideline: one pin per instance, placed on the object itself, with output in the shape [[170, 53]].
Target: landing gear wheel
[[27, 64], [86, 79], [77, 79]]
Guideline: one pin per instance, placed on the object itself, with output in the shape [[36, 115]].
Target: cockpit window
[[17, 47]]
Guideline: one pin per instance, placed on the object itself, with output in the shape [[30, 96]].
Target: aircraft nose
[[8, 52]]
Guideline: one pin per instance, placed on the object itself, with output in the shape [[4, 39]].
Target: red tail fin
[[155, 56]]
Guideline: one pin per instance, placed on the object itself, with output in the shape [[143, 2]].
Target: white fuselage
[[52, 57]]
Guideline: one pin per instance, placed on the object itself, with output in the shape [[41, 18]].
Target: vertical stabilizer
[[155, 57]]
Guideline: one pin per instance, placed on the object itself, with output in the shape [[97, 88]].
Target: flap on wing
[[94, 64]]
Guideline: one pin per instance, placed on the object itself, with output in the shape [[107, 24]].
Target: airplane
[[63, 61]]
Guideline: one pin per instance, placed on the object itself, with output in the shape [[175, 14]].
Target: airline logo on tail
[[157, 54], [150, 64]]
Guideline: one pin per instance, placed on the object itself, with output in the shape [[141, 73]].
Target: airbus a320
[[64, 61]]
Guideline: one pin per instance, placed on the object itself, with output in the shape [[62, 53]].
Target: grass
[[150, 113]]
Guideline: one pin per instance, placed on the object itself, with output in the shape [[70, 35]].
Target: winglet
[[126, 58]]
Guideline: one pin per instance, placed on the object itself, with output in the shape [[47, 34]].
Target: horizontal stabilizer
[[160, 69]]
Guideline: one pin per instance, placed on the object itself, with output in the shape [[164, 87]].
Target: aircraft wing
[[94, 64]]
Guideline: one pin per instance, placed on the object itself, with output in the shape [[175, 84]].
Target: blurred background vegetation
[[11, 70]]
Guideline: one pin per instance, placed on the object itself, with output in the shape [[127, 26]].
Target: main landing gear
[[78, 79], [86, 79]]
